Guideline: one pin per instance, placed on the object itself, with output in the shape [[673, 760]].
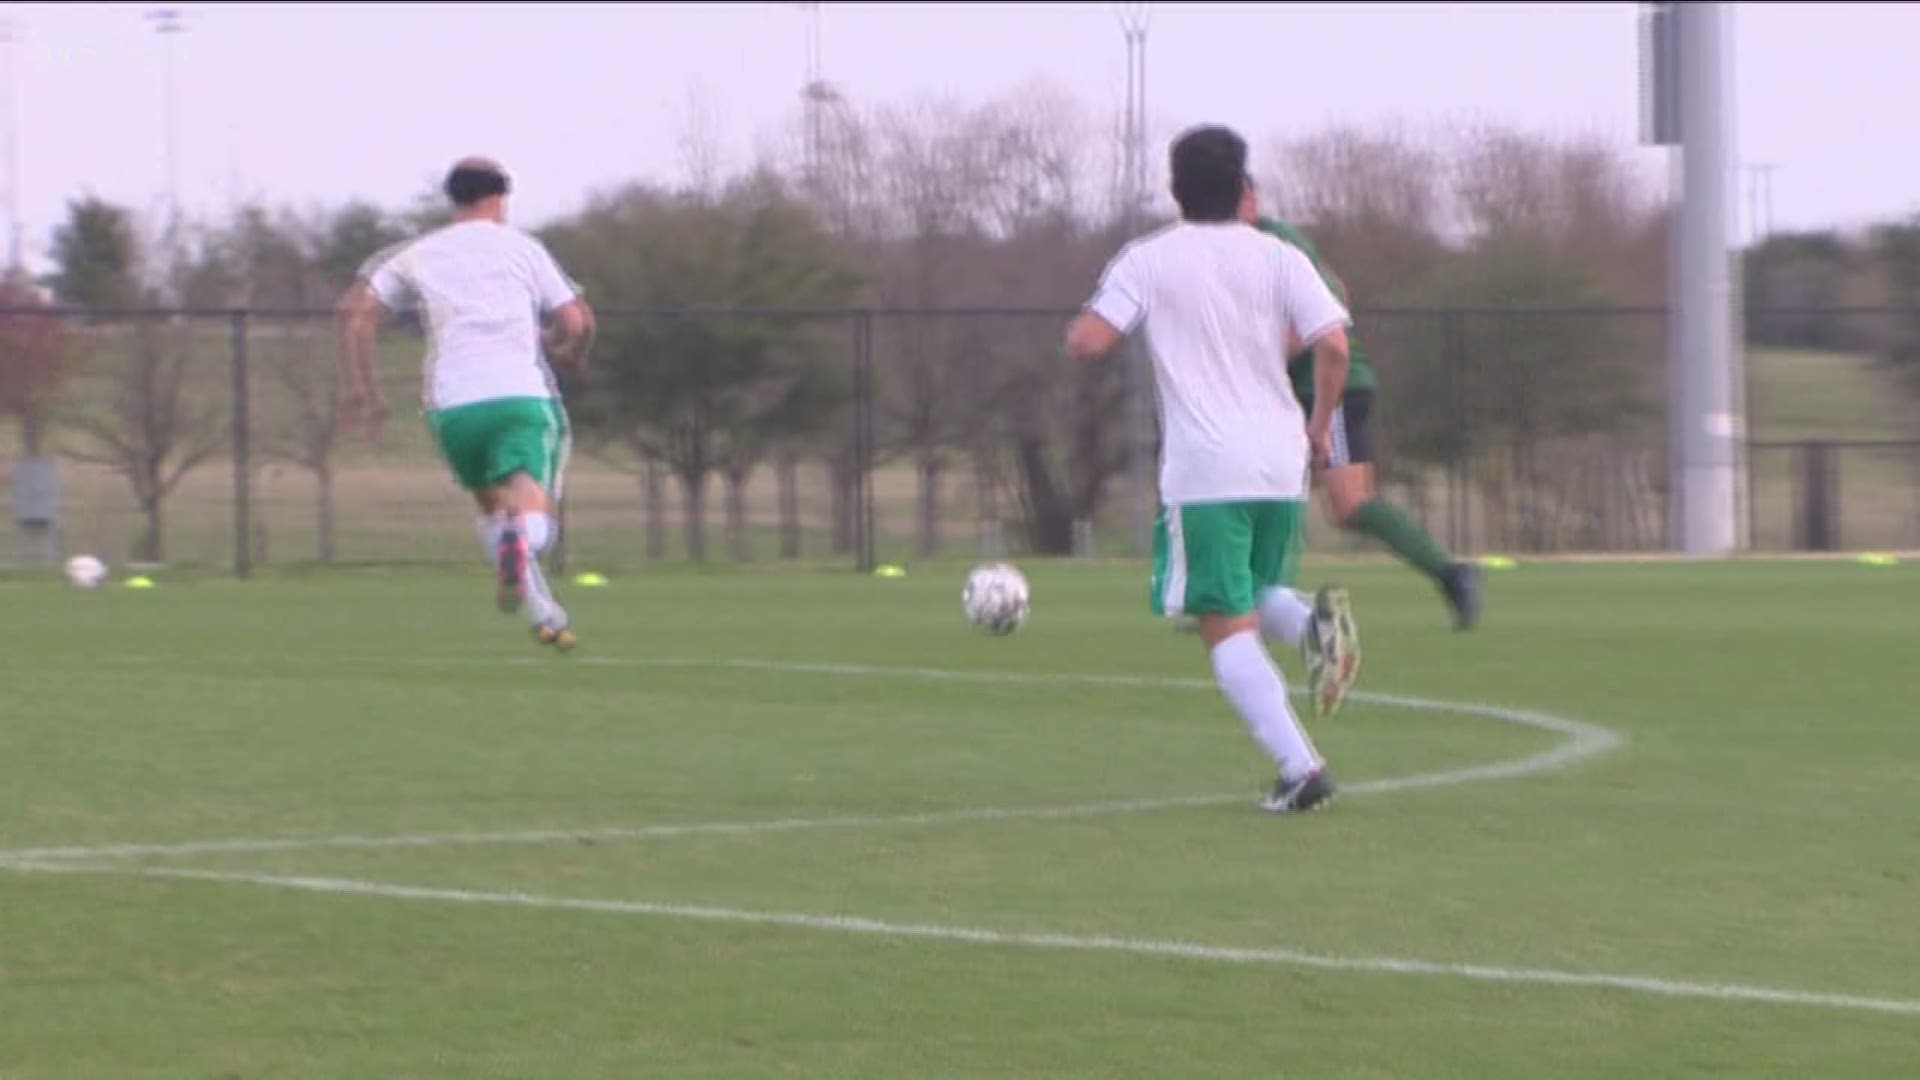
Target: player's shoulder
[[1273, 226], [1149, 244], [517, 237], [374, 262]]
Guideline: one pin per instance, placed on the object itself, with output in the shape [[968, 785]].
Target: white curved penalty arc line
[[1175, 950], [1583, 740]]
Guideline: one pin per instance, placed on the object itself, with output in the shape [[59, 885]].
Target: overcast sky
[[314, 103]]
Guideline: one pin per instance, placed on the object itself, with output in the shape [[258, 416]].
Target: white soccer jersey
[[481, 289], [1217, 301]]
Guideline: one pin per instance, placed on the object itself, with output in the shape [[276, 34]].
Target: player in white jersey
[[1223, 306], [492, 301]]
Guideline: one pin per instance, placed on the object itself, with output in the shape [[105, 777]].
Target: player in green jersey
[[1347, 486]]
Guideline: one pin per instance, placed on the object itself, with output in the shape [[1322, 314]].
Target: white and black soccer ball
[[996, 598], [86, 572]]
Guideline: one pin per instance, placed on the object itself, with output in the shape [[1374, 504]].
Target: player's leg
[[1286, 613], [525, 460], [1321, 625], [1203, 566], [488, 519], [1352, 501], [463, 434]]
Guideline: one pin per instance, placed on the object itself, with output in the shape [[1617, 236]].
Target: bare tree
[[1553, 224], [1377, 204], [36, 359], [706, 393], [154, 426], [157, 427], [979, 205]]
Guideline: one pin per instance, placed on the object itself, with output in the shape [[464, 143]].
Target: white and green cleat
[[1332, 650]]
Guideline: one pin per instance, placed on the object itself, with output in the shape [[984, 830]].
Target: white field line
[[1174, 950], [1583, 740]]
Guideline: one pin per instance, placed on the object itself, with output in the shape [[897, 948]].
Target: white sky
[[313, 103]]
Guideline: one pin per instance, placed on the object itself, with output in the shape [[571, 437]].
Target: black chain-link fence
[[865, 437]]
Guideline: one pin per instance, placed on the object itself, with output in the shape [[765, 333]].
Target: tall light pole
[[816, 94], [1134, 18], [1688, 76], [16, 230], [170, 23]]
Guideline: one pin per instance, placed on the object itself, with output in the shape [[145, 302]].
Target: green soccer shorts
[[486, 442], [1218, 558]]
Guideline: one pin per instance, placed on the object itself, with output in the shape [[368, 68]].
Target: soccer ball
[[996, 598], [86, 572]]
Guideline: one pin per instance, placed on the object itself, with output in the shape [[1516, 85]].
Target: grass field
[[1649, 821]]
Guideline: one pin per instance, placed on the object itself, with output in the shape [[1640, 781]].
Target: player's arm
[[356, 324], [1115, 310], [1090, 336], [1316, 320], [570, 323], [568, 337]]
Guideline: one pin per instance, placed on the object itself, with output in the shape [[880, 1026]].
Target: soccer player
[[1223, 306], [492, 301], [1349, 496]]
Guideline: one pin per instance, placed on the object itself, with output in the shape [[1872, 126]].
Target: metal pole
[[864, 440], [1706, 423], [15, 229], [1140, 392], [242, 453], [1453, 334], [170, 23]]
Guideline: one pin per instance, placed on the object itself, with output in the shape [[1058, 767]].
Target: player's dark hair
[[469, 184], [1209, 173]]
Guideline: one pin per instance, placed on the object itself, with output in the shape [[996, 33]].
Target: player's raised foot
[[1310, 792], [1461, 584], [1333, 655], [510, 560]]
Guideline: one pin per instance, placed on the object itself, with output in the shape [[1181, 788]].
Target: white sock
[[1254, 685], [1286, 615], [487, 528], [538, 528], [541, 606]]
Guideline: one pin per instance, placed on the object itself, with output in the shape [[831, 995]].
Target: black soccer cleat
[[1461, 584], [1310, 792]]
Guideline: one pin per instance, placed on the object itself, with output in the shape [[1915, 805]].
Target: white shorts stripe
[[1173, 592], [1341, 454], [561, 447]]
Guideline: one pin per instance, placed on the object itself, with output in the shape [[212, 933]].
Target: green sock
[[1395, 528]]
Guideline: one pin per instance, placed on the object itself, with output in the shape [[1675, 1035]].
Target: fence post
[[242, 451], [864, 545], [1453, 338], [1819, 484]]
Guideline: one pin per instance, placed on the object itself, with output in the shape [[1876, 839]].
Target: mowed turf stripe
[[1582, 740], [1173, 950]]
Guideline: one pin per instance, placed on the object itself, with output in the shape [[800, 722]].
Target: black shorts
[[1353, 429]]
